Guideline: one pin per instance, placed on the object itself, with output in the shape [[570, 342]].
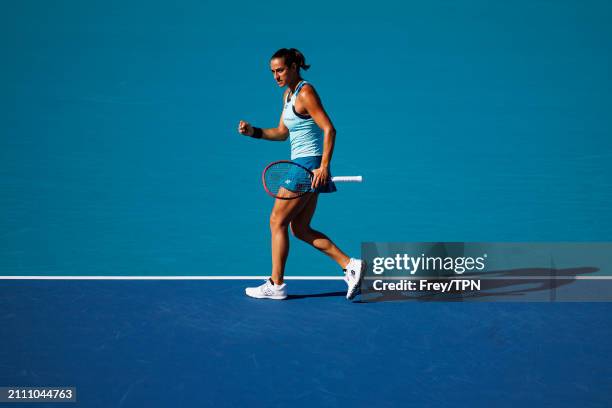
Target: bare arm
[[311, 101], [279, 133]]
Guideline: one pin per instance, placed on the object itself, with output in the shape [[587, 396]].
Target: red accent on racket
[[286, 180]]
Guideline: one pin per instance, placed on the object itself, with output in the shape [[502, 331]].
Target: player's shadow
[[316, 295]]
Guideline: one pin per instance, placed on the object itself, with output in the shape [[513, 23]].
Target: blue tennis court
[[120, 160], [177, 343]]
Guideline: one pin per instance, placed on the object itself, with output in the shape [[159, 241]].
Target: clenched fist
[[245, 128]]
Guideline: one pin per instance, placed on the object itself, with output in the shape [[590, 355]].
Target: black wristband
[[257, 133]]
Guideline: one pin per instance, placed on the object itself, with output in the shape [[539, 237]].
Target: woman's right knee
[[277, 220]]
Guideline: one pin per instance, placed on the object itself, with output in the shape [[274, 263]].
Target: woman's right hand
[[245, 128]]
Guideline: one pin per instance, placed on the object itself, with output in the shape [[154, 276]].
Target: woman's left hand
[[320, 177]]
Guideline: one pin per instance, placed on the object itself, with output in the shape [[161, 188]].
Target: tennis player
[[312, 136]]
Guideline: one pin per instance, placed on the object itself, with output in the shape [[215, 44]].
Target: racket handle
[[347, 179]]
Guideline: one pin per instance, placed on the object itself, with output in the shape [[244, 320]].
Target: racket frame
[[263, 180]]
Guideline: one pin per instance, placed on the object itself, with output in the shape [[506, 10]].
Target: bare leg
[[282, 214], [300, 226]]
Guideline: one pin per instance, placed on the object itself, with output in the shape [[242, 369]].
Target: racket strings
[[287, 180]]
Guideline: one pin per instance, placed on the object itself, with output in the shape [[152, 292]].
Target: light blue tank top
[[305, 136]]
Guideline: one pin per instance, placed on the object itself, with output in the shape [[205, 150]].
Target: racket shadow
[[316, 295]]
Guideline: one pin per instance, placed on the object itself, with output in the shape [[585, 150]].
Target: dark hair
[[291, 56]]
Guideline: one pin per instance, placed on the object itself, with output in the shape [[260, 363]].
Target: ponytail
[[292, 56]]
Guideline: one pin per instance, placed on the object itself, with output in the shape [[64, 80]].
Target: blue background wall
[[470, 121]]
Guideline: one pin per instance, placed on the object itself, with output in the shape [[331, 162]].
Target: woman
[[312, 137]]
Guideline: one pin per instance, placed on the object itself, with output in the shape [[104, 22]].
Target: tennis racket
[[287, 180]]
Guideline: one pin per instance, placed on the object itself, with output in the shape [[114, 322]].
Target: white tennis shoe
[[353, 275], [268, 291]]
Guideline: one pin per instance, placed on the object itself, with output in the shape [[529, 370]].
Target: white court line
[[165, 277]]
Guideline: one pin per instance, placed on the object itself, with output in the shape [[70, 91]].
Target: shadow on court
[[316, 295], [205, 344]]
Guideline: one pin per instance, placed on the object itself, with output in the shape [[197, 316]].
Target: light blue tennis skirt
[[311, 163]]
